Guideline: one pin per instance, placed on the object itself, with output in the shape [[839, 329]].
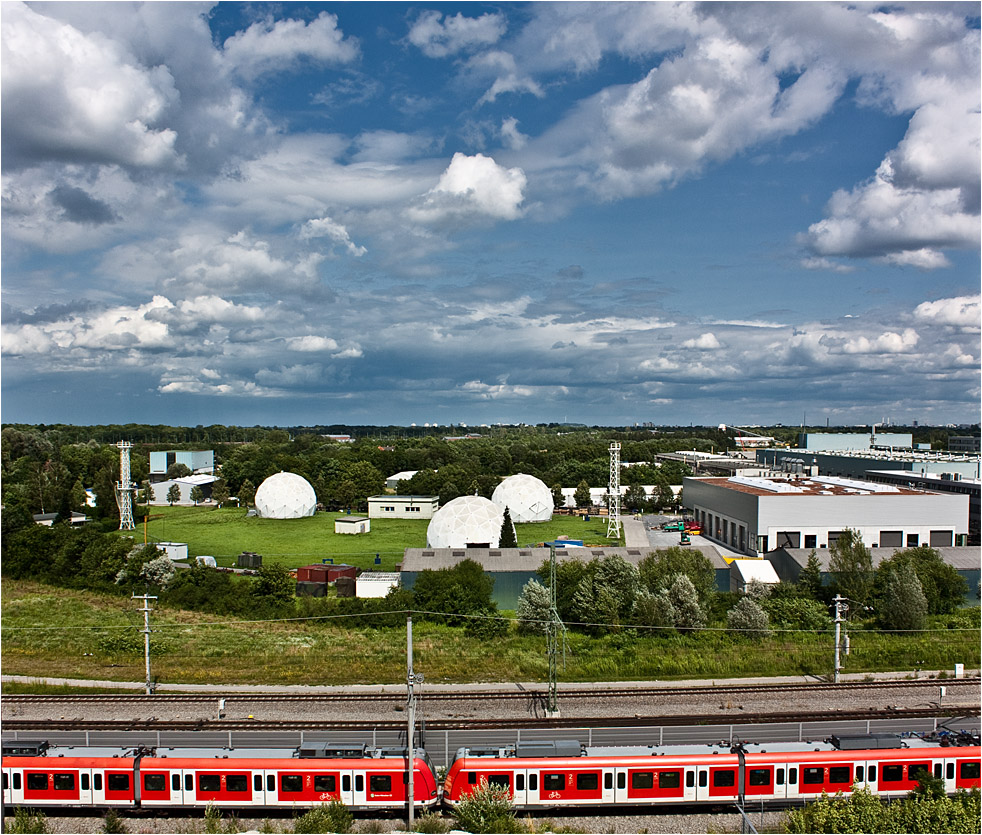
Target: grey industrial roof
[[962, 559]]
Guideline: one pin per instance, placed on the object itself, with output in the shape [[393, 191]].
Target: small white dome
[[467, 520], [526, 497], [285, 496]]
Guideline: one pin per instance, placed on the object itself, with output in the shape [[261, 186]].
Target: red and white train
[[543, 775], [364, 779], [565, 774]]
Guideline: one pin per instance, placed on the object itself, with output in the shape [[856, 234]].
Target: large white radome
[[285, 496], [526, 497], [467, 520]]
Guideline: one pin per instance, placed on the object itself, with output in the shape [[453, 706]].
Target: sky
[[462, 213]]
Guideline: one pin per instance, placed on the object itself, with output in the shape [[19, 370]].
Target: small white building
[[352, 524], [185, 485], [744, 571], [375, 583], [173, 550], [403, 507], [392, 482]]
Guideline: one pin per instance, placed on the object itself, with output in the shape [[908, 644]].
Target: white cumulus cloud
[[961, 312], [474, 185], [438, 36], [703, 342], [326, 227]]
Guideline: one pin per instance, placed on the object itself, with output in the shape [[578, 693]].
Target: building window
[[913, 540], [811, 540]]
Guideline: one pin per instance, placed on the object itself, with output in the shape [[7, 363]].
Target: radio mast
[[125, 488], [614, 493]]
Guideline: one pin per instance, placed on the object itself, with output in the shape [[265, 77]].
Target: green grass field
[[52, 632], [226, 533]]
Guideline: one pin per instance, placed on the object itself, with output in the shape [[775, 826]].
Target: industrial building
[[402, 507], [855, 463], [754, 515], [512, 568], [790, 562], [197, 461], [185, 485], [943, 483]]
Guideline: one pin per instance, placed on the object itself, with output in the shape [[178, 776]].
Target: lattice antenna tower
[[125, 488], [614, 493]]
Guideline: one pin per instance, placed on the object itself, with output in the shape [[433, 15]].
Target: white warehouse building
[[754, 515]]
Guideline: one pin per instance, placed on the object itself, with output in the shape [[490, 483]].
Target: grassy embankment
[[84, 635], [226, 533]]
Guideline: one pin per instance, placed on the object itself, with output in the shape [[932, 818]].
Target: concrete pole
[[146, 598], [410, 750]]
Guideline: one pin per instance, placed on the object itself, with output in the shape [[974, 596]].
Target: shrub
[[487, 809], [27, 821], [113, 823], [432, 823], [332, 817], [747, 618]]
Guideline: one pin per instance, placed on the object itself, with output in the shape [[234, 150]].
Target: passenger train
[[540, 775]]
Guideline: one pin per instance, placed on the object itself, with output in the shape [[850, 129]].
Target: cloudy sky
[[300, 213]]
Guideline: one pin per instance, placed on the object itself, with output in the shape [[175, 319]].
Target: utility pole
[[555, 626], [841, 607], [411, 680], [146, 598]]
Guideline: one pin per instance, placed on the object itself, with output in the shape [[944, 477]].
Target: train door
[[607, 795], [85, 787], [620, 785], [520, 787], [702, 782], [689, 793], [353, 788], [13, 786]]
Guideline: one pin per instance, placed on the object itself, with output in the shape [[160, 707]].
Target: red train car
[[364, 779], [564, 774]]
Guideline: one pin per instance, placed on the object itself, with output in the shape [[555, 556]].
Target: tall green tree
[[902, 604], [582, 494], [507, 538], [944, 588], [851, 567], [173, 494], [534, 609], [658, 570]]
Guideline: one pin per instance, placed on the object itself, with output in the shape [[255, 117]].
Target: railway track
[[436, 695], [223, 725]]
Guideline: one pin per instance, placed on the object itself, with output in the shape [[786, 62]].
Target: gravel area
[[440, 705], [673, 822]]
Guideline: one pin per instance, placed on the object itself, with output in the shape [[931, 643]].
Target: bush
[[27, 821], [332, 817], [432, 823], [487, 809], [112, 822], [748, 619]]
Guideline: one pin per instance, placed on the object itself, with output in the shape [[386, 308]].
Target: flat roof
[[529, 559], [403, 498], [808, 486]]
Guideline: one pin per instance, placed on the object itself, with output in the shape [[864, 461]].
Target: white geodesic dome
[[470, 520], [285, 496], [526, 497]]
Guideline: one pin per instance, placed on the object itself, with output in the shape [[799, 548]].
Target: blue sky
[[302, 213]]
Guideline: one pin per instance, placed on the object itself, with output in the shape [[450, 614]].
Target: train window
[[117, 782], [840, 774], [915, 770], [63, 782], [793, 776], [520, 782], [325, 783], [471, 778], [270, 783], [703, 779], [690, 779], [257, 782], [937, 770], [643, 780], [85, 782], [813, 776], [553, 782], [860, 773], [621, 780], [175, 782], [188, 782], [950, 771], [5, 786], [237, 782], [291, 783], [892, 774], [533, 782], [759, 777], [669, 779], [17, 781], [209, 783], [968, 771], [724, 778], [359, 782], [502, 781], [779, 776], [346, 782], [383, 783], [155, 782], [97, 782], [871, 777], [608, 780], [587, 782], [37, 782]]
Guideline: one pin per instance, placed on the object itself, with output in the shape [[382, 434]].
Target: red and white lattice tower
[[125, 488]]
